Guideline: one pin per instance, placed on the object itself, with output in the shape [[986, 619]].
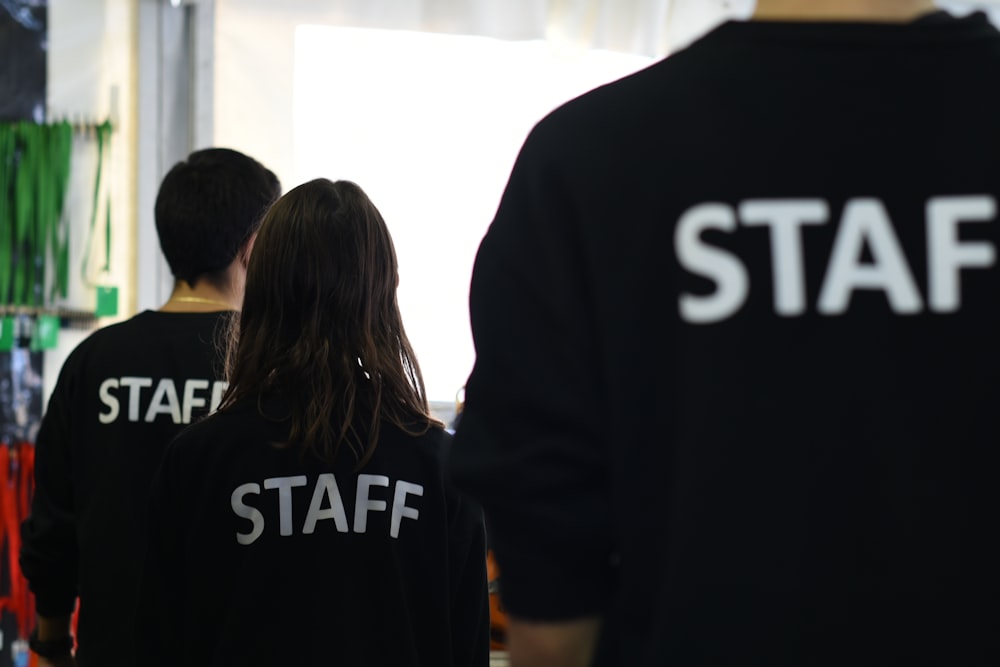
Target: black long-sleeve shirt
[[122, 394], [262, 555], [737, 325]]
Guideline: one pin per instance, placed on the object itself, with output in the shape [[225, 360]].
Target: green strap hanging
[[8, 143], [34, 175], [43, 214], [103, 144], [24, 209], [61, 150]]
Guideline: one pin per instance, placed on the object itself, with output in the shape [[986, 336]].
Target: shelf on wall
[[69, 318]]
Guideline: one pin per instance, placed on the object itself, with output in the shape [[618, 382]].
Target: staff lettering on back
[[326, 503], [147, 405], [864, 225]]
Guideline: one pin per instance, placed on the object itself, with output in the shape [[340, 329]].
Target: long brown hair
[[320, 327]]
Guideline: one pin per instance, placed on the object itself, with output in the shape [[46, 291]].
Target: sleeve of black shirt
[[160, 614], [469, 587], [49, 555], [531, 443]]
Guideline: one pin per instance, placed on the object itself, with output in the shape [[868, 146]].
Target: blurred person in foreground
[[736, 324]]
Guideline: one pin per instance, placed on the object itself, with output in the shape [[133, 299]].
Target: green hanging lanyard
[[8, 144], [24, 210], [61, 148], [103, 140], [44, 193], [34, 170]]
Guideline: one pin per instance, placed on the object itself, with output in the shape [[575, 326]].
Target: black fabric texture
[[741, 438], [122, 394], [337, 590]]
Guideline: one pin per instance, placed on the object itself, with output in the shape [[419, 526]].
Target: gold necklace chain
[[196, 299]]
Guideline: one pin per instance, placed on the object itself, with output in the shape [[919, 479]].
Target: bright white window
[[429, 126]]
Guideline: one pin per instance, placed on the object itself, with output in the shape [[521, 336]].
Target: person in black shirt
[[309, 520], [122, 394], [736, 323]]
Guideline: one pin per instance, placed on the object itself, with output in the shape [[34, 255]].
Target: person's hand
[[65, 661]]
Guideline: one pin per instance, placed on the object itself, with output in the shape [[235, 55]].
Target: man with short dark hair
[[737, 324], [121, 396]]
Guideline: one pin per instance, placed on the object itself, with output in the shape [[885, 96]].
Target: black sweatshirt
[[263, 555], [122, 394], [737, 325]]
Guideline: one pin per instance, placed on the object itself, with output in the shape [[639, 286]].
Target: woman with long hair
[[309, 520]]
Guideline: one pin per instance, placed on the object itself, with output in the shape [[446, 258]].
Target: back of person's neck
[[204, 297], [877, 11]]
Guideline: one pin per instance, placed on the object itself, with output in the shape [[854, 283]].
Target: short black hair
[[208, 207]]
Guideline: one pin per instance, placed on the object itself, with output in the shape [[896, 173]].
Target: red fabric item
[[7, 601], [25, 605], [9, 478], [16, 484], [9, 518]]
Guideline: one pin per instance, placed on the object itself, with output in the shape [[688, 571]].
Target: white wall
[[991, 7], [255, 45], [91, 76], [427, 124]]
